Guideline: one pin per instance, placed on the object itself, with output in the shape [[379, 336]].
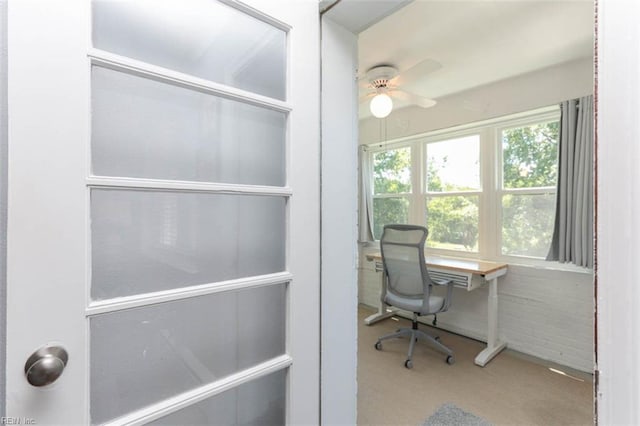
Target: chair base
[[414, 335]]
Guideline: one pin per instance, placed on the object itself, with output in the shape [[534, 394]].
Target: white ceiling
[[476, 42], [358, 15]]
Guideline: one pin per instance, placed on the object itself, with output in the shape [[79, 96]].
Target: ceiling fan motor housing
[[379, 76]]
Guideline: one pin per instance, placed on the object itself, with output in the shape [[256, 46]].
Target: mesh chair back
[[402, 248]]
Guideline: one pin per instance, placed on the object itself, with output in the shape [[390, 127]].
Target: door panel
[[257, 403], [148, 241], [206, 39], [163, 219], [148, 129], [144, 355]]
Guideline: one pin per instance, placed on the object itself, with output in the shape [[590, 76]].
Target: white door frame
[[3, 196], [618, 212], [339, 218]]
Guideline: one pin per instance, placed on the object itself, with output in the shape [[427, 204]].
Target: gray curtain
[[573, 230], [365, 232]]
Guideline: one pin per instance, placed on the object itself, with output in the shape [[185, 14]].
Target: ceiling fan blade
[[365, 98], [364, 83], [412, 99], [416, 72]]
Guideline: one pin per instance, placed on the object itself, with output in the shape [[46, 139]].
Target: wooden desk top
[[479, 267]]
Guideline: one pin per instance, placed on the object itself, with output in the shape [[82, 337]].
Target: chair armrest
[[447, 299]]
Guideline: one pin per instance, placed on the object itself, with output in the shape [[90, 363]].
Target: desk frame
[[490, 275]]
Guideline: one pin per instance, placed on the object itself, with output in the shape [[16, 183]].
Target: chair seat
[[414, 305]]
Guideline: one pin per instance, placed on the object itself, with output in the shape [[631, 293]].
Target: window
[[529, 177], [391, 188], [483, 190], [452, 193]]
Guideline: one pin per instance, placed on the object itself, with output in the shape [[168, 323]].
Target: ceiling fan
[[384, 82]]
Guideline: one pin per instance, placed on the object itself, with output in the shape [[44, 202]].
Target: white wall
[[339, 232], [523, 93], [545, 313], [618, 212]]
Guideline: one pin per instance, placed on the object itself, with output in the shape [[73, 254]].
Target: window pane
[[256, 403], [453, 165], [530, 156], [389, 210], [203, 38], [453, 223], [144, 355], [527, 224], [145, 241], [145, 129], [392, 171]]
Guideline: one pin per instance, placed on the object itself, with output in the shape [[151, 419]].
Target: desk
[[465, 273]]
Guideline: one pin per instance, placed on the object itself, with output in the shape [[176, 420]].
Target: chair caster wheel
[[408, 364], [451, 360], [437, 338], [378, 346]]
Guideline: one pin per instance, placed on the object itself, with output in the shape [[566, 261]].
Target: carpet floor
[[510, 390]]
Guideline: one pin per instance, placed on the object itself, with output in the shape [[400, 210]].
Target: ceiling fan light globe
[[381, 105]]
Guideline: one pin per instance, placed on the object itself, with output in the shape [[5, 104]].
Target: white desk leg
[[494, 346], [383, 311]]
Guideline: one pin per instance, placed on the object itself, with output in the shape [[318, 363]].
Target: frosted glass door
[[163, 211], [175, 236]]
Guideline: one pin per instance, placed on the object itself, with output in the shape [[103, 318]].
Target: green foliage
[[453, 222], [392, 171], [434, 183], [529, 161], [530, 156], [389, 210], [527, 224]]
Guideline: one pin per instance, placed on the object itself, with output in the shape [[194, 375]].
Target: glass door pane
[[203, 38], [143, 128], [147, 241], [260, 402], [141, 356]]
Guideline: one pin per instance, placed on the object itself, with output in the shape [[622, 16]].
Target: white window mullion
[[417, 212], [490, 166]]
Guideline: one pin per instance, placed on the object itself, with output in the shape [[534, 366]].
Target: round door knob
[[45, 365]]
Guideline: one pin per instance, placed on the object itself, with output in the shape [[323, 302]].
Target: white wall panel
[[339, 231], [618, 212]]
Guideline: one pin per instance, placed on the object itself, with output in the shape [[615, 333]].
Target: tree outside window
[[530, 173], [391, 188], [452, 193], [505, 207]]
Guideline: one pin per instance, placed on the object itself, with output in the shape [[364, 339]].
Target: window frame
[[491, 189], [392, 195], [500, 191], [425, 195]]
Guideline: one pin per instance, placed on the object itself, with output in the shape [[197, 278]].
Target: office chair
[[409, 286]]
